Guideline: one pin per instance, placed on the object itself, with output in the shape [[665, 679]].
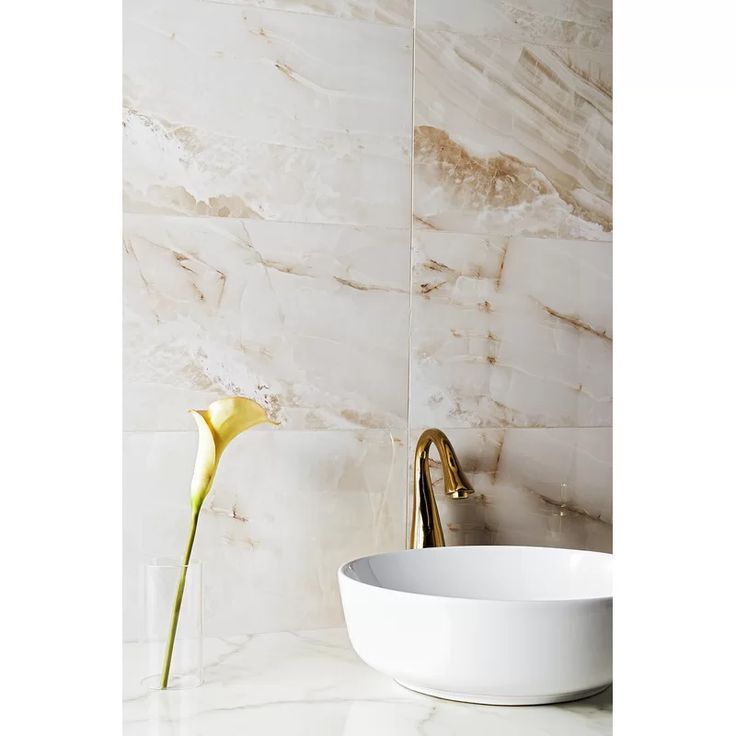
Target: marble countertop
[[312, 683]]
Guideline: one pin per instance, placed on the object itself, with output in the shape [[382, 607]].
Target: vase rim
[[171, 562]]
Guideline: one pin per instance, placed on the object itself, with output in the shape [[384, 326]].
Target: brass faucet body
[[426, 527]]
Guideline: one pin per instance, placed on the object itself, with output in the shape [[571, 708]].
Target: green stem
[[177, 603]]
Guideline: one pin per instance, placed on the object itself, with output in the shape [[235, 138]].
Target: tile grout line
[[262, 220], [361, 226], [408, 469], [407, 429]]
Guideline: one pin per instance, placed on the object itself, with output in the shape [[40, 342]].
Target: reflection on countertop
[[311, 682]]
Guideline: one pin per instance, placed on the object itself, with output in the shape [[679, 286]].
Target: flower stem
[[177, 602]]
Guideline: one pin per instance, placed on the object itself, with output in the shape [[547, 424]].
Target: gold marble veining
[[311, 320], [243, 112], [533, 486], [577, 323], [372, 221], [498, 181], [509, 332], [578, 24], [512, 214], [510, 138]]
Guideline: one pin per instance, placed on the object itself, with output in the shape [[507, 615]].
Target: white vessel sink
[[488, 624]]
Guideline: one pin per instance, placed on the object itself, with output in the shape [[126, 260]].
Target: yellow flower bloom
[[219, 424]]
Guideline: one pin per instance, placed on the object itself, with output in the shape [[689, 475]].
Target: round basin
[[497, 625]]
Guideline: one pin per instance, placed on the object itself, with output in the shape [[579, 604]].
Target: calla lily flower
[[218, 425]]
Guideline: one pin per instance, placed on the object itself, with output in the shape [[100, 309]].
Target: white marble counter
[[312, 683]]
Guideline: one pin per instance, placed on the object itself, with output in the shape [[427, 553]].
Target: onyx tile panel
[[575, 23], [538, 487], [512, 138], [237, 112], [286, 509], [510, 332], [391, 12], [312, 320]]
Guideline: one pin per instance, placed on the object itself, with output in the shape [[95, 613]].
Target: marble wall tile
[[268, 249], [310, 319], [510, 332], [392, 12], [286, 510], [511, 138], [240, 112], [546, 487], [582, 24]]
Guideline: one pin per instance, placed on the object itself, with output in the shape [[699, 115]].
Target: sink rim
[[343, 574]]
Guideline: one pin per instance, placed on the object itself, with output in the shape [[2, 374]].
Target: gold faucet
[[426, 527]]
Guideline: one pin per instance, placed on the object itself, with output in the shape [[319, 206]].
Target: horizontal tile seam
[[383, 430], [492, 428], [172, 216], [363, 226]]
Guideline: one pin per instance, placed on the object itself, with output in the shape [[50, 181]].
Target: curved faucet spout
[[426, 527]]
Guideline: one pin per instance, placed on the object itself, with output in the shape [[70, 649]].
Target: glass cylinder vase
[[162, 580]]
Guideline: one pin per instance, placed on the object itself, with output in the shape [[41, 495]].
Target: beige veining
[[258, 320], [390, 12], [560, 23], [487, 348], [576, 322], [371, 222], [265, 114], [512, 138], [499, 181], [558, 498]]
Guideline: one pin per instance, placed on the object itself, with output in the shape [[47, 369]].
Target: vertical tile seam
[[409, 454]]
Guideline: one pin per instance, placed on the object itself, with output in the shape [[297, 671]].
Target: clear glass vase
[[162, 577]]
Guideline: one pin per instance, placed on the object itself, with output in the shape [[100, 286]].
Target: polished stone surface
[[512, 138], [288, 508], [311, 682], [282, 242], [583, 24], [549, 487], [310, 319], [233, 111], [391, 12], [510, 332]]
